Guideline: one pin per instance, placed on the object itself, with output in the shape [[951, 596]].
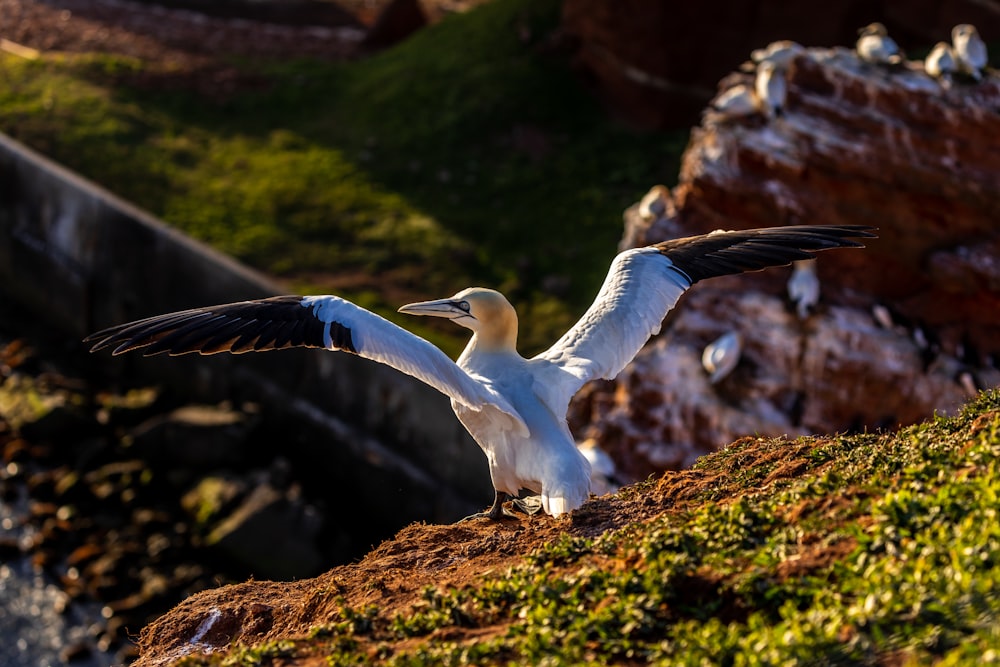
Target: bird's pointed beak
[[438, 308]]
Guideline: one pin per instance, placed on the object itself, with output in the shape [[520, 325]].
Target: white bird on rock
[[970, 50], [736, 102], [803, 287], [515, 408], [771, 88], [780, 53], [941, 64], [876, 46], [720, 357]]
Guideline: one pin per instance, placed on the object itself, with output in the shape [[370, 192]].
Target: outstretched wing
[[643, 284], [313, 321]]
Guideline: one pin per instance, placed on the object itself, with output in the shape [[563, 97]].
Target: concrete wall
[[82, 259]]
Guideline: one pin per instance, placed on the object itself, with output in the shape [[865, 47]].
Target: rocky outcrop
[[657, 63], [911, 323]]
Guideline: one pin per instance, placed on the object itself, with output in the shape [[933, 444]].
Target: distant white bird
[[781, 53], [970, 50], [875, 46], [771, 88], [722, 355], [654, 203], [736, 102], [803, 287], [603, 472], [883, 318], [941, 63], [515, 408]]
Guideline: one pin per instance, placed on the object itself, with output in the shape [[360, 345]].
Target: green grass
[[882, 548], [469, 154]]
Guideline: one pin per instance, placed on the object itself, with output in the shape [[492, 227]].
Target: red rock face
[[857, 144], [656, 63]]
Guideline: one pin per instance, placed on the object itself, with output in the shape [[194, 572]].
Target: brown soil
[[393, 576]]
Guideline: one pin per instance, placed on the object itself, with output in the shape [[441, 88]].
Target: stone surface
[[856, 145], [272, 533], [657, 63]]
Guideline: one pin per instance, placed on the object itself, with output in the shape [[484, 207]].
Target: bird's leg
[[496, 511]]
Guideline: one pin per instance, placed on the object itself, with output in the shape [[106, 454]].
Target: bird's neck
[[500, 337]]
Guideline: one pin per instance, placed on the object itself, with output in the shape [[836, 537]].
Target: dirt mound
[[396, 575]]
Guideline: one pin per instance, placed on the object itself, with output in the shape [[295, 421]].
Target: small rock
[[270, 535]]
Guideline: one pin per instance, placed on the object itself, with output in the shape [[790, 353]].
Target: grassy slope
[[867, 549], [470, 154]]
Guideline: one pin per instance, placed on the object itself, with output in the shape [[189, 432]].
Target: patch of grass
[[888, 549], [469, 154]]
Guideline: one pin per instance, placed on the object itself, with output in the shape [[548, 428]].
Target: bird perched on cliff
[[736, 102], [603, 471], [720, 357], [515, 408], [941, 63], [970, 50], [875, 46], [655, 203], [771, 88], [803, 287], [781, 53]]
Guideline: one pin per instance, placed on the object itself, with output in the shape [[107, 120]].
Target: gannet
[[720, 357], [940, 63], [875, 46], [771, 88], [739, 101], [970, 50], [514, 408], [803, 287], [781, 53]]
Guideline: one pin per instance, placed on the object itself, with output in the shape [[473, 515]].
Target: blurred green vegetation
[[471, 154]]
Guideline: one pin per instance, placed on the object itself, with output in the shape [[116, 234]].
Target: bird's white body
[[970, 50], [876, 46], [803, 287], [771, 88], [515, 408], [736, 102], [721, 356], [940, 63], [544, 459], [781, 53]]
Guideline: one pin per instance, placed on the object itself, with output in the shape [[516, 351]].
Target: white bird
[[970, 50], [655, 203], [941, 64], [803, 286], [771, 88], [875, 46], [515, 408], [781, 53], [721, 355], [736, 102], [603, 472]]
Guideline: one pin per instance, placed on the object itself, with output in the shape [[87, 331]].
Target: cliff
[[912, 322]]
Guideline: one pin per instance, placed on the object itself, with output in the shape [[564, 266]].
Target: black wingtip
[[728, 252]]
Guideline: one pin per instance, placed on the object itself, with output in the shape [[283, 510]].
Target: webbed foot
[[530, 505], [496, 511]]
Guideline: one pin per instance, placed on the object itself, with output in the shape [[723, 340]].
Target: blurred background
[[396, 151]]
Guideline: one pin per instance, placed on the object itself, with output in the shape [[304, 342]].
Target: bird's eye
[[464, 305]]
